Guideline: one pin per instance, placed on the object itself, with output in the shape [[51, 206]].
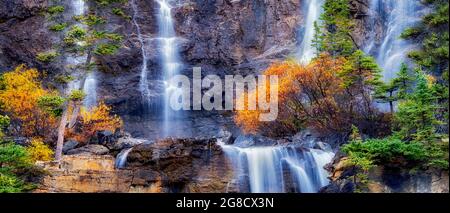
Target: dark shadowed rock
[[69, 145]]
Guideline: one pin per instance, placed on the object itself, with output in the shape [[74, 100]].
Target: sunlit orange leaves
[[308, 96], [96, 119]]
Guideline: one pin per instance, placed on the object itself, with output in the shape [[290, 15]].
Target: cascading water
[[79, 7], [312, 10], [143, 83], [89, 86], [90, 89], [397, 15], [121, 159], [266, 167], [169, 57]]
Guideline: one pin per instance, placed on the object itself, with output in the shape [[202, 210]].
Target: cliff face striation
[[185, 165]]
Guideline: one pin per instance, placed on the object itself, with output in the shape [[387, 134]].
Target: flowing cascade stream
[[143, 83], [121, 159], [396, 15], [278, 169], [312, 10], [89, 86], [170, 59]]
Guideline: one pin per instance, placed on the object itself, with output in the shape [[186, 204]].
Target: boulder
[[94, 149], [69, 145], [105, 137], [126, 142], [225, 137], [245, 141]]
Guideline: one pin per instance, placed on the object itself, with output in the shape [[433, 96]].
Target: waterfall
[[121, 159], [266, 167], [89, 86], [169, 57], [397, 15], [90, 89], [78, 7], [312, 10], [143, 83]]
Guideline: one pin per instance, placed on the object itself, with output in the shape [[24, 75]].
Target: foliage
[[105, 35], [55, 9], [64, 79], [336, 27], [385, 151], [10, 184], [75, 34], [52, 104], [15, 166], [397, 89], [90, 20], [19, 94], [107, 2], [308, 97], [434, 30], [96, 119], [77, 95], [47, 56], [4, 122], [58, 27], [38, 151], [106, 49], [416, 118], [119, 12]]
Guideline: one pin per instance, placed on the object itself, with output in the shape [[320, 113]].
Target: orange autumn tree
[[309, 96], [96, 119], [249, 119], [20, 92]]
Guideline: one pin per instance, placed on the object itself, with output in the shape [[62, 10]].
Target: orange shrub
[[97, 119]]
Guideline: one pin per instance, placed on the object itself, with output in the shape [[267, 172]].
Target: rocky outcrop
[[171, 165], [385, 179], [183, 165], [22, 33]]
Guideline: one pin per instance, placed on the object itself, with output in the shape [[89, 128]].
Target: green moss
[[108, 2], [52, 104], [58, 27], [77, 95], [121, 13], [75, 34], [55, 10], [106, 49], [105, 35], [64, 79], [90, 20], [47, 56]]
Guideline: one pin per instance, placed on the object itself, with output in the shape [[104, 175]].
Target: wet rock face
[[384, 179], [21, 9], [187, 165], [22, 33], [222, 34], [171, 165]]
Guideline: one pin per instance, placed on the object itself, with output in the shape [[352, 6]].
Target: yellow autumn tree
[[39, 151], [20, 90]]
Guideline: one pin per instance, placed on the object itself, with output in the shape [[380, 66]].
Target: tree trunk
[[77, 107], [61, 131]]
